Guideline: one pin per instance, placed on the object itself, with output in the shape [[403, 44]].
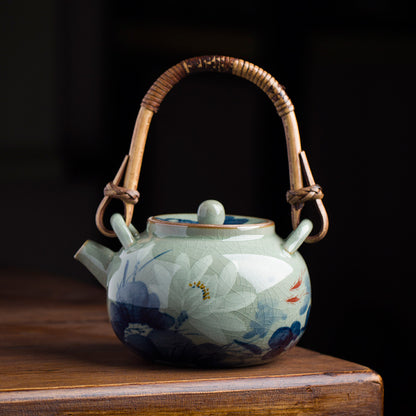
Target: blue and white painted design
[[183, 313]]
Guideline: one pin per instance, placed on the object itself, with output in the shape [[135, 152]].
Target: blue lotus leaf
[[136, 293], [135, 304], [142, 345], [255, 349], [281, 339], [210, 355], [266, 315], [170, 346]]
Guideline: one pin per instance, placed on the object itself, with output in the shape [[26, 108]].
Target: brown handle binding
[[296, 196]]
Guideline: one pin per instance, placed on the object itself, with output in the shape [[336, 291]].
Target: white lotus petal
[[211, 282], [176, 290], [180, 280], [183, 261], [235, 301], [219, 321], [160, 283], [206, 308], [171, 267], [192, 299], [226, 279], [228, 321], [200, 267]]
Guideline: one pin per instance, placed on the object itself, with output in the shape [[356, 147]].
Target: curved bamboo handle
[[297, 195]]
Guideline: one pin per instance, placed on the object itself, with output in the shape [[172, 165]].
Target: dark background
[[73, 74]]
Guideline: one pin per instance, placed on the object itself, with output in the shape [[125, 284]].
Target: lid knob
[[211, 212]]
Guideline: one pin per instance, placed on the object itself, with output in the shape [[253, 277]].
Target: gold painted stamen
[[204, 289]]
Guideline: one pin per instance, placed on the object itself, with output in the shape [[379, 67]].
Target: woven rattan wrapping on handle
[[151, 102], [173, 75], [238, 67]]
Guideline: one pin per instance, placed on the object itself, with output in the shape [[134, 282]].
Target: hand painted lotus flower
[[207, 301]]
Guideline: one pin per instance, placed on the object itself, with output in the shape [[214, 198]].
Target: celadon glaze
[[209, 295]]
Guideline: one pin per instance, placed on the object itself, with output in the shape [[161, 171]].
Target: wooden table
[[59, 356]]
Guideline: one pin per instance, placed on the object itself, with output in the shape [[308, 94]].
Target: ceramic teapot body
[[189, 293]]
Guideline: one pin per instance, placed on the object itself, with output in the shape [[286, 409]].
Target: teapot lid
[[211, 214]]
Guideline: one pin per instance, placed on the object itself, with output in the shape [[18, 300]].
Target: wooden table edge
[[201, 386]]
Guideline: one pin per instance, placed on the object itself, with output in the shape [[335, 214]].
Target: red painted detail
[[293, 300], [297, 284]]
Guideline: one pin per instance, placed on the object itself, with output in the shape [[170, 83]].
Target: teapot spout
[[96, 258]]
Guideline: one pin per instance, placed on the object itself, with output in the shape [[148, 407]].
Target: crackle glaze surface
[[218, 298]]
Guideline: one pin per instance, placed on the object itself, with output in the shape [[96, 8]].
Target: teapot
[[207, 289]]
